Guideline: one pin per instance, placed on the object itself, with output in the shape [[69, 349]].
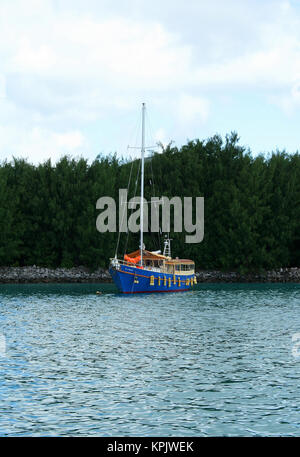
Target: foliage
[[252, 206]]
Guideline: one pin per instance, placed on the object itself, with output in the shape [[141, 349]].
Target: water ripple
[[212, 362]]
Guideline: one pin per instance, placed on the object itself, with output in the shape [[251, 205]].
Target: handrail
[[162, 269], [124, 262]]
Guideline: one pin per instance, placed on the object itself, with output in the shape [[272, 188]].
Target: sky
[[74, 73]]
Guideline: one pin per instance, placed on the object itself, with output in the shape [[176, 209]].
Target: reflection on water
[[214, 361]]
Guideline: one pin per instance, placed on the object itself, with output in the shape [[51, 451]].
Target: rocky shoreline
[[34, 274], [281, 275]]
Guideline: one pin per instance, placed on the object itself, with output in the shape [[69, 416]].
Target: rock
[[35, 274]]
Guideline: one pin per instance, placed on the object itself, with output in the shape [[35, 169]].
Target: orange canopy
[[134, 260]]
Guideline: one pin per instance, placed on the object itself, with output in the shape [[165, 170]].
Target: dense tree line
[[252, 209]]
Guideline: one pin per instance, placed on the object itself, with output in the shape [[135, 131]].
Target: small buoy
[[98, 292]]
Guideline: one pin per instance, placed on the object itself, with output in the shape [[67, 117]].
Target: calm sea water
[[219, 360]]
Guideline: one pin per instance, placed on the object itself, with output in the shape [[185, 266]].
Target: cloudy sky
[[73, 74]]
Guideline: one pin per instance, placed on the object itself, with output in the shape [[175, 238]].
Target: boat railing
[[117, 262]]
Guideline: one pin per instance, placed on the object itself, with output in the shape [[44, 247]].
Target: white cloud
[[68, 65], [111, 50], [38, 144], [31, 58], [192, 109], [274, 62], [2, 87], [289, 102], [160, 135], [70, 140]]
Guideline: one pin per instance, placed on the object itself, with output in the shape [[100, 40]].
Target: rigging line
[[122, 219], [158, 240], [152, 173], [135, 189], [138, 134], [149, 139], [134, 132], [151, 134], [131, 210]]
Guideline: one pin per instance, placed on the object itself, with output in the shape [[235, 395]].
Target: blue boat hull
[[132, 280]]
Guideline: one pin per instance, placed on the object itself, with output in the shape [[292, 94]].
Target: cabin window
[[187, 266]]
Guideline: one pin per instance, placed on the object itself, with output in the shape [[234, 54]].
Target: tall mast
[[142, 180]]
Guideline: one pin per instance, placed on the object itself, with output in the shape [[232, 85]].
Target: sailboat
[[144, 271]]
